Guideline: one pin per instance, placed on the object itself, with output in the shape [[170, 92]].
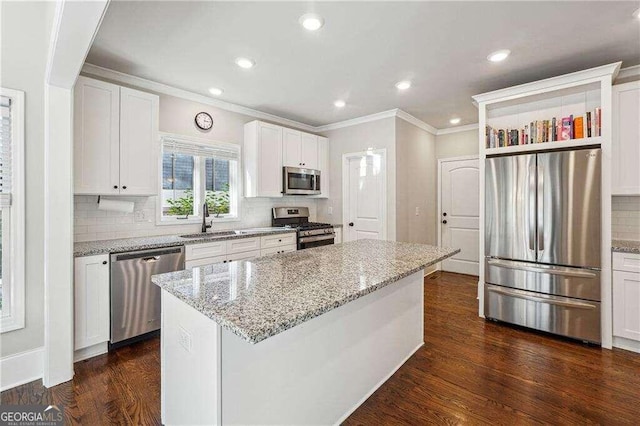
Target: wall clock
[[204, 121]]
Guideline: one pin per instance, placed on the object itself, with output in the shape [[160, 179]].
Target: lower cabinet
[[91, 301], [338, 238], [626, 301], [238, 249]]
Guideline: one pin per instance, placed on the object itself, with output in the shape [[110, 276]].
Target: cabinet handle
[[279, 241], [104, 262], [444, 222], [224, 261], [115, 186], [124, 187]]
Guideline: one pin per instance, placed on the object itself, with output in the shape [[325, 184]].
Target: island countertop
[[260, 298]]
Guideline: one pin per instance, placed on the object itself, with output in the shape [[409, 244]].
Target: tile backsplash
[[92, 224], [625, 218]]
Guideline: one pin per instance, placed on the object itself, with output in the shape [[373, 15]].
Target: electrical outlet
[[417, 211], [330, 210], [184, 338], [140, 216]]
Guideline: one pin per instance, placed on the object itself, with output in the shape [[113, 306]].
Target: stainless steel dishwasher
[[135, 300]]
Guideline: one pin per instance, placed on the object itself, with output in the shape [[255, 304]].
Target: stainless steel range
[[310, 234]]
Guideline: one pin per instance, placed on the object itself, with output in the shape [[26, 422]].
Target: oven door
[[315, 241], [297, 181]]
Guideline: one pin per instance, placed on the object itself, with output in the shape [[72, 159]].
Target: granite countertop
[[625, 246], [90, 248], [257, 299]]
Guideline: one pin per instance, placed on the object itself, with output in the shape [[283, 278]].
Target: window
[[192, 173], [11, 210]]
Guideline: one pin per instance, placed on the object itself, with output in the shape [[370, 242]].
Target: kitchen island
[[297, 338]]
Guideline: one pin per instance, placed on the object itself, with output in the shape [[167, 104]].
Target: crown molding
[[142, 83], [548, 83], [628, 72], [357, 120], [458, 129], [416, 121], [120, 77]]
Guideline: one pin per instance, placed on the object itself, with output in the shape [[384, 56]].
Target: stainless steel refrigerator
[[542, 241]]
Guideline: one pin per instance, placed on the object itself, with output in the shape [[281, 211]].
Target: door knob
[[444, 221], [350, 223]]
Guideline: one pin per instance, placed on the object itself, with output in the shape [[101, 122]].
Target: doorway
[[364, 197], [459, 209]]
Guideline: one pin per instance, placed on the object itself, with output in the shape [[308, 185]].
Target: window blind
[[223, 151], [5, 151]]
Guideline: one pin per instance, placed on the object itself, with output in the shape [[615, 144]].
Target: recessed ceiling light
[[499, 55], [215, 91], [245, 63], [311, 21], [455, 120], [339, 103], [403, 85]]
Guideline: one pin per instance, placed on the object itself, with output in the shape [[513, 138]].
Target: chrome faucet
[[205, 215]]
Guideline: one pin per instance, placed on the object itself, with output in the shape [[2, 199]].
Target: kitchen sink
[[210, 234]]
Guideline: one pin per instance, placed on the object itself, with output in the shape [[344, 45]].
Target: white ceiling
[[363, 49]]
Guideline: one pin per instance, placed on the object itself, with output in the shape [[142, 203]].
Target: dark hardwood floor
[[469, 371]]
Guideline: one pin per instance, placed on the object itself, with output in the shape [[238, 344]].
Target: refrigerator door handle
[[551, 270], [540, 205], [551, 300], [532, 208]]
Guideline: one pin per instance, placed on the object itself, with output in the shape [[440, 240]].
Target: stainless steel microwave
[[297, 181]]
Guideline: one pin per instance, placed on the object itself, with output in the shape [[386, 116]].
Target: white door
[[459, 214], [364, 199], [139, 142], [96, 138]]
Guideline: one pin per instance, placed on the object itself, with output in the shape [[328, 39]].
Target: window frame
[[235, 184], [15, 319]]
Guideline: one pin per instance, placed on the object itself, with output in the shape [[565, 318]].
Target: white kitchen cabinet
[[323, 166], [625, 150], [246, 255], [278, 250], [262, 159], [338, 238], [116, 144], [243, 245], [96, 135], [91, 301], [299, 149], [626, 301], [203, 262], [278, 240], [205, 250], [139, 142]]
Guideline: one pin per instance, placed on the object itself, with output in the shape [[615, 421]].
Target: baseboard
[[21, 368], [91, 351], [380, 383], [626, 344]]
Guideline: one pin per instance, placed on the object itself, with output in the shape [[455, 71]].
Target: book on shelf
[[555, 129]]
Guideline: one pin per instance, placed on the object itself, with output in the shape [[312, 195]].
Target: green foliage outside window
[[217, 201]]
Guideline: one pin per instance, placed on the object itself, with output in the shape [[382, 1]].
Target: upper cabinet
[[269, 147], [262, 159], [625, 150], [116, 143], [300, 149]]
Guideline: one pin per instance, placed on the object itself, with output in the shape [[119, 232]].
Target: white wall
[[176, 116], [416, 184], [378, 134], [25, 32], [457, 144]]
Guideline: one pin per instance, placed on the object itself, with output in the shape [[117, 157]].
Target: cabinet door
[[309, 151], [242, 245], [96, 137], [278, 250], [626, 305], [338, 237], [91, 300], [323, 166], [247, 255], [203, 262], [270, 160], [625, 149], [139, 144], [292, 148]]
